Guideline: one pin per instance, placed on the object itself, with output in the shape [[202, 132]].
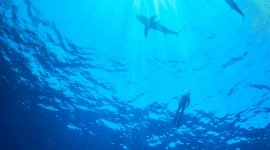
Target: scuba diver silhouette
[[183, 104]]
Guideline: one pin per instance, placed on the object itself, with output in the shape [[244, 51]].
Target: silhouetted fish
[[211, 37], [234, 6]]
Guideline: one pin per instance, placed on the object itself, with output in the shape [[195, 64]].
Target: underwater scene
[[134, 75]]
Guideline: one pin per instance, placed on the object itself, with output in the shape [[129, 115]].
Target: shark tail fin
[[243, 19], [178, 32]]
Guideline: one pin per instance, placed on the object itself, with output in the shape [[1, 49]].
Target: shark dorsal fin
[[153, 18]]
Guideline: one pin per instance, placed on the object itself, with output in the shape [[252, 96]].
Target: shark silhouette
[[234, 6], [150, 23]]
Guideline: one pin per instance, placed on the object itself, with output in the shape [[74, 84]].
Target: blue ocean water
[[89, 75]]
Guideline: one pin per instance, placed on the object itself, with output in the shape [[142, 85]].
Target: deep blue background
[[81, 75]]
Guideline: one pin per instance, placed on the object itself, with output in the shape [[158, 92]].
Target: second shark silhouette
[[234, 6]]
